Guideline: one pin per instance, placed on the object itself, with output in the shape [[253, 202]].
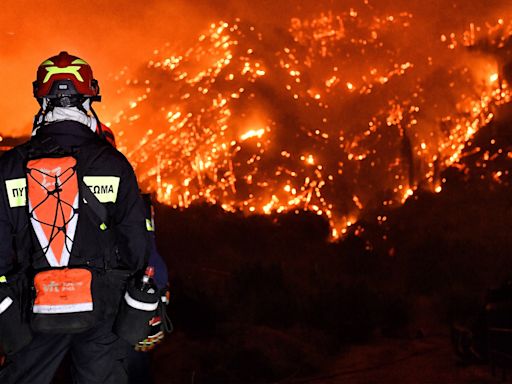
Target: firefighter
[[138, 363], [72, 233]]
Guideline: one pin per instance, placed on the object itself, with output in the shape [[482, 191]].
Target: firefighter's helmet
[[65, 80]]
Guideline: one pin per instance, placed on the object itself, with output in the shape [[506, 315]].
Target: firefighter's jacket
[[112, 180]]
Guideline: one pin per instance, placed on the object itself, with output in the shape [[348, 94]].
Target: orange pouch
[[63, 301]]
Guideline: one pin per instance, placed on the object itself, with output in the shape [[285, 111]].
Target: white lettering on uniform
[[105, 188], [54, 286]]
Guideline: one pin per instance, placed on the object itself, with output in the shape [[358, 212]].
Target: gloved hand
[[155, 338], [160, 325]]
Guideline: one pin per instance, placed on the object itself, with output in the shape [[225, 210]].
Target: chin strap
[[39, 117], [98, 124]]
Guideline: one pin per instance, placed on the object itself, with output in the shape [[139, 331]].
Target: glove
[[160, 325], [155, 338]]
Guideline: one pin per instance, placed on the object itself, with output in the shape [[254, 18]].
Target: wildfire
[[355, 117]]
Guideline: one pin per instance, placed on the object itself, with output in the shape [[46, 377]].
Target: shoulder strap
[[97, 208], [87, 162], [22, 151]]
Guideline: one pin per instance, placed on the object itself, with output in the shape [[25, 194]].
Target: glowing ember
[[355, 115], [252, 133]]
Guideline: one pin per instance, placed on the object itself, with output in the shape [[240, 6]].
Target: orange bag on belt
[[63, 291], [65, 300]]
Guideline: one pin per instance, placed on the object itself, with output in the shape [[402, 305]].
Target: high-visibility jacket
[[112, 180]]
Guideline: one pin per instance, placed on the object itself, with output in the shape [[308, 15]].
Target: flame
[[252, 133], [349, 117]]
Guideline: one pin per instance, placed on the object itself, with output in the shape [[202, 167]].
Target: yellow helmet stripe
[[72, 70], [79, 61]]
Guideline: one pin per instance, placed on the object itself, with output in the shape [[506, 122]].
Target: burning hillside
[[335, 113]]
